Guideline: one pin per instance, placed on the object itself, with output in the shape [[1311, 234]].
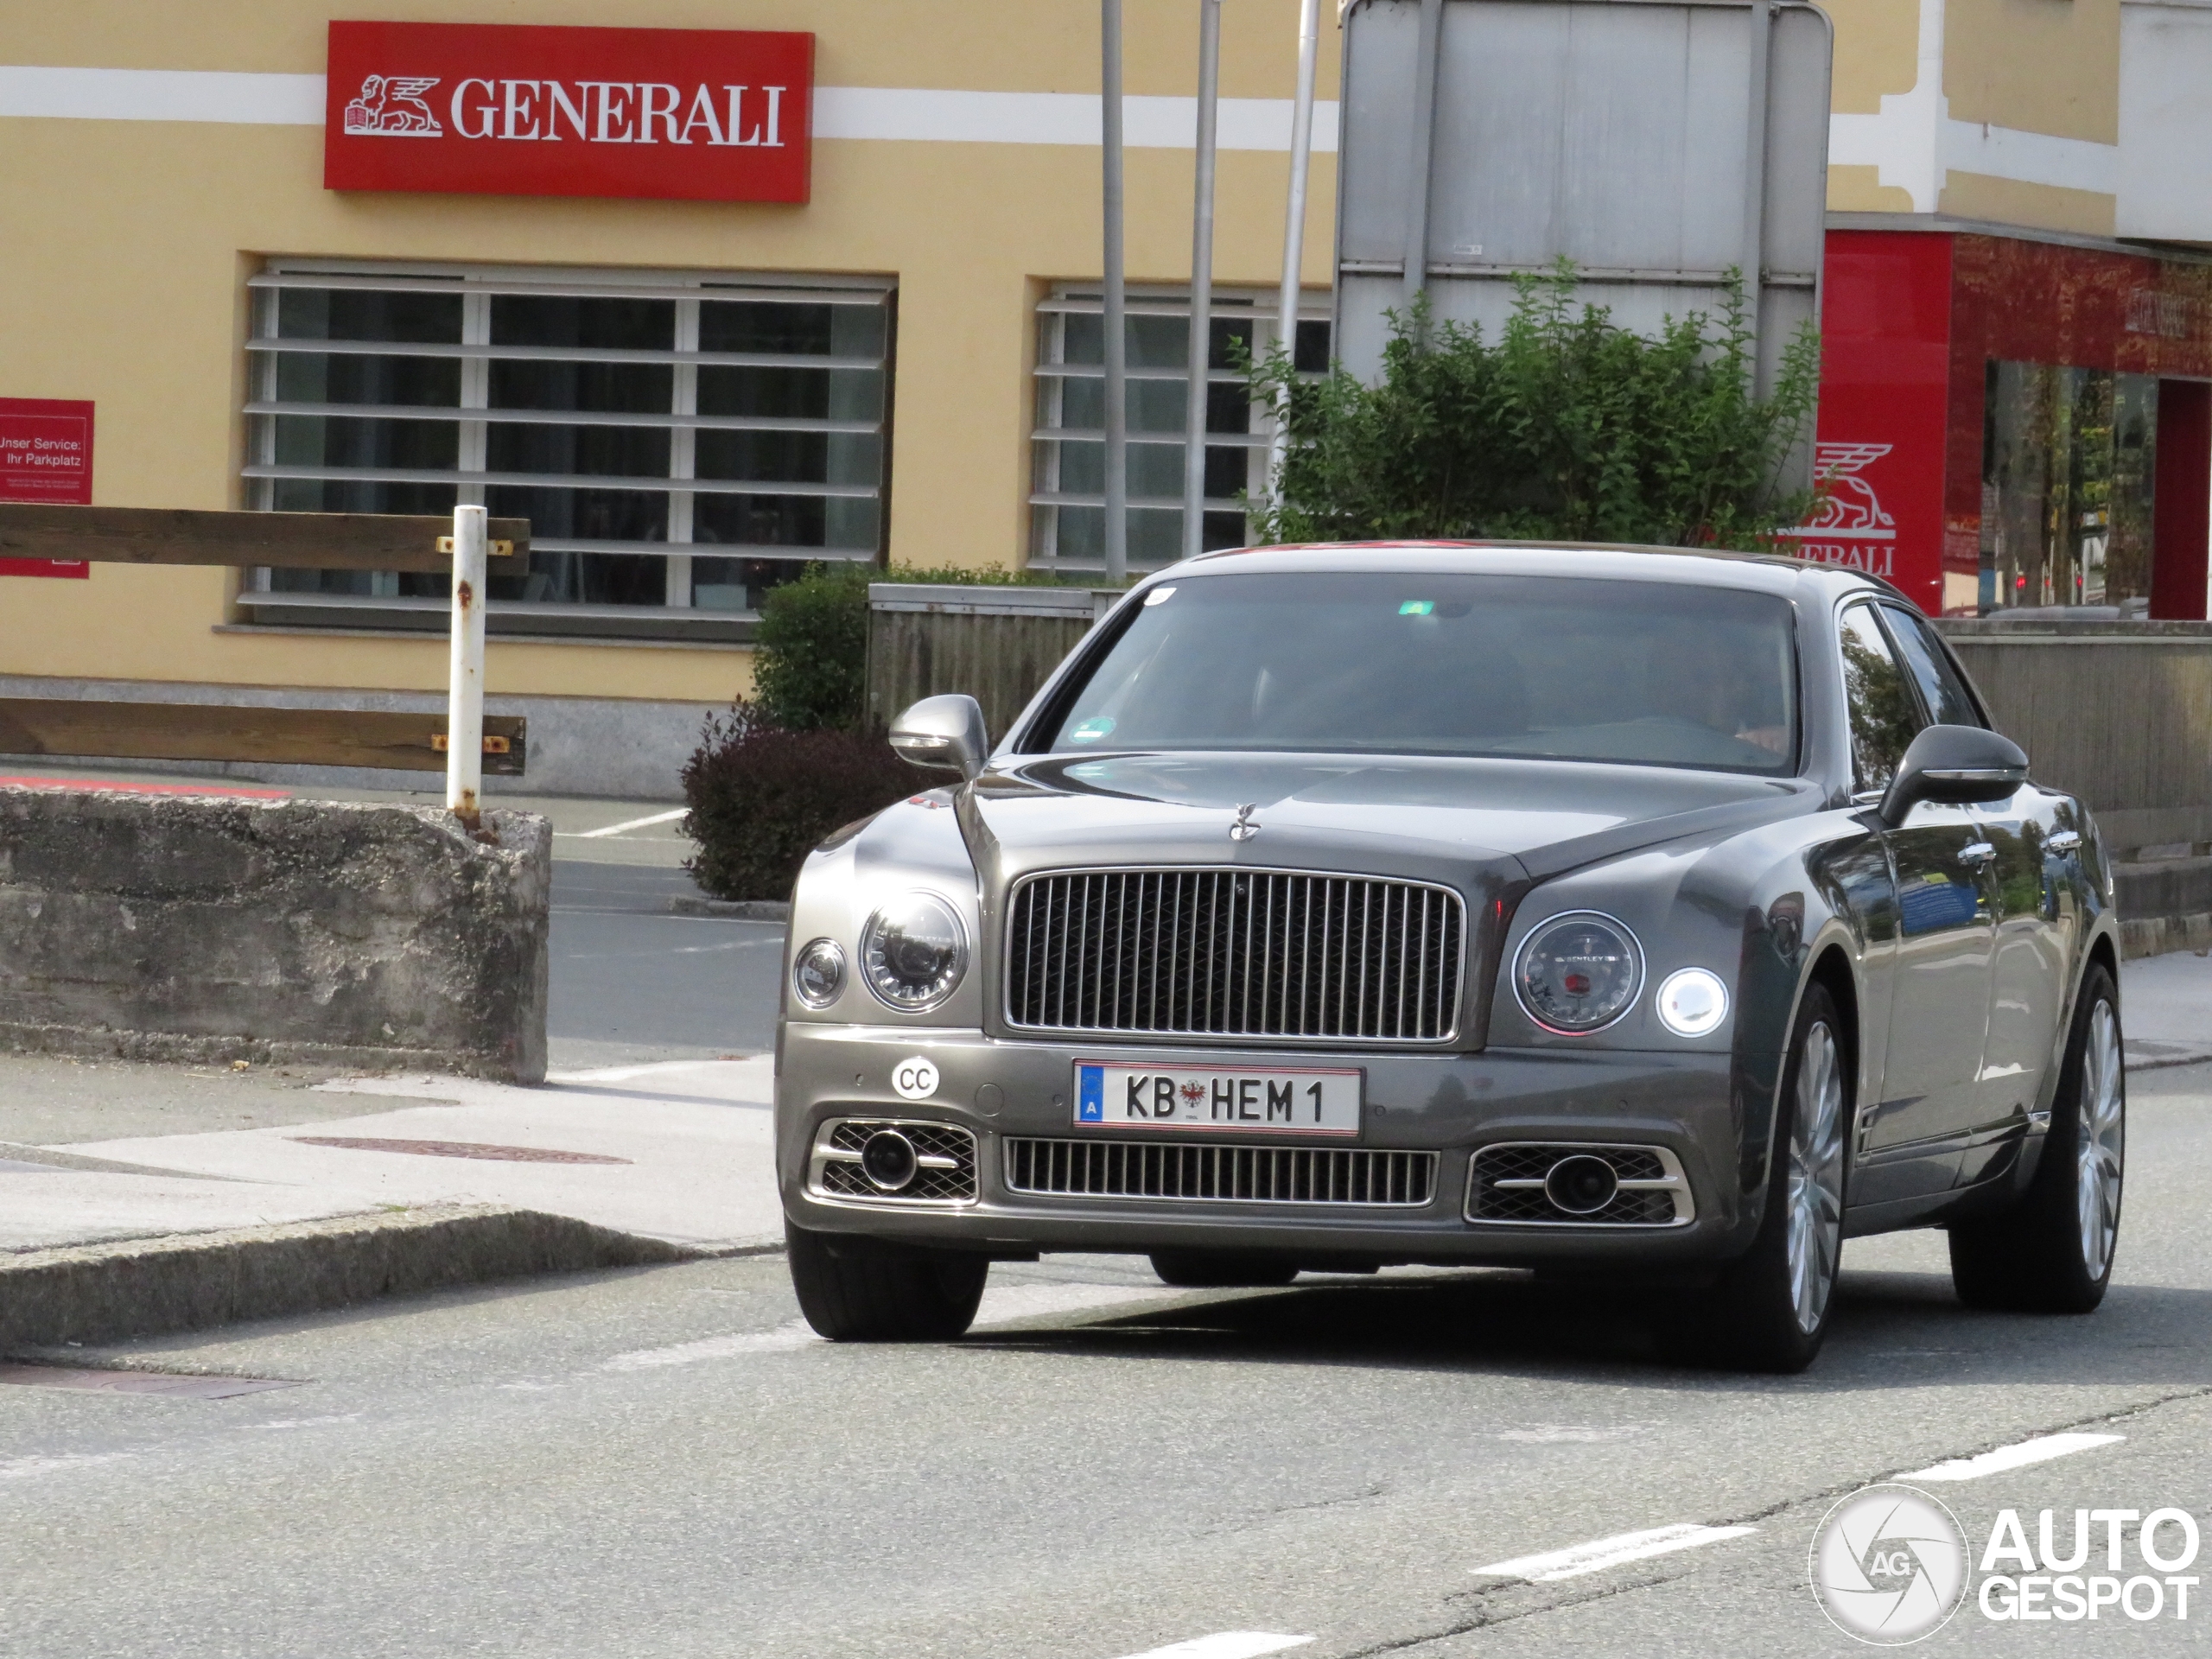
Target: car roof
[[1770, 573]]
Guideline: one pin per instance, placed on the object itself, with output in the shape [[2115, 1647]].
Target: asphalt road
[[631, 982], [662, 1463]]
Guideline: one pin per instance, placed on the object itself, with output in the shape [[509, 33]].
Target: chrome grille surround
[[1191, 1171], [1289, 956], [946, 1156], [1505, 1185]]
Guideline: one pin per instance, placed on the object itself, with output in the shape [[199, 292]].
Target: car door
[[1939, 1009], [2030, 945]]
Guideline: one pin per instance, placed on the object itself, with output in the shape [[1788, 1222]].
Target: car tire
[[854, 1289], [1768, 1311], [2052, 1252], [1221, 1269]]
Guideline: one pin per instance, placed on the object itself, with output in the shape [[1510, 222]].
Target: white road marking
[[1601, 1552], [628, 823], [1225, 1644], [2042, 1449], [1001, 1305], [630, 1073]]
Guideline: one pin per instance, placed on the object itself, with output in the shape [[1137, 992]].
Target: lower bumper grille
[[944, 1161], [1509, 1182], [1217, 1174]]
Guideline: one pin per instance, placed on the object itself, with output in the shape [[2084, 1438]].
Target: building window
[[679, 443], [2069, 457], [1067, 499]]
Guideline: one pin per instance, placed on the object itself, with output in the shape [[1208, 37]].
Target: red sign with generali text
[[496, 109], [46, 454]]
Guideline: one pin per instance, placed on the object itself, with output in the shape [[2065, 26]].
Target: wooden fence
[[2118, 713], [997, 644]]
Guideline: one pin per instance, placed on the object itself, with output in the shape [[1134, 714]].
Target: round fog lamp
[[1693, 1002], [887, 1159], [914, 952], [1578, 973], [1582, 1185], [818, 973]]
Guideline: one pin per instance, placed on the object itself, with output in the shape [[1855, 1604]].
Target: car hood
[[1509, 821]]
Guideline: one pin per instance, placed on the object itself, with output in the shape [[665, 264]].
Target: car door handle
[[2066, 841], [1979, 854]]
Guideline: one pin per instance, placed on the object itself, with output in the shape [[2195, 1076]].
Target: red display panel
[[46, 454], [1885, 329], [494, 109]]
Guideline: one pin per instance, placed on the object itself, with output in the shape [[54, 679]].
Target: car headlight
[[818, 973], [1692, 1002], [913, 952], [1579, 973]]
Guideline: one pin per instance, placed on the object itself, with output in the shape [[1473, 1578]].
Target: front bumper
[[1450, 1104]]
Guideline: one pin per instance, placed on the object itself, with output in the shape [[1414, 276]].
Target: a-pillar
[[2182, 510]]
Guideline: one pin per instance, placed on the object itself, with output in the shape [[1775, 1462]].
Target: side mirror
[[945, 733], [1958, 765]]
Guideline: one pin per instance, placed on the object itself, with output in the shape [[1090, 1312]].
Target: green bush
[[810, 651], [762, 798], [810, 661], [1568, 427]]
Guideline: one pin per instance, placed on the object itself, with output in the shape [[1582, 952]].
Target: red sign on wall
[[46, 454], [495, 109]]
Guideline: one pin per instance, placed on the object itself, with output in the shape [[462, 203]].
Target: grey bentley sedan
[[1644, 914]]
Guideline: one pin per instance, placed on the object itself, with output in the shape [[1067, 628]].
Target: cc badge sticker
[[914, 1077]]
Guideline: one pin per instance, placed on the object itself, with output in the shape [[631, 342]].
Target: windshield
[[1563, 668]]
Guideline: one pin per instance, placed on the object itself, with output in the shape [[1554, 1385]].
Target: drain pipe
[[1115, 303], [1294, 237], [1194, 424]]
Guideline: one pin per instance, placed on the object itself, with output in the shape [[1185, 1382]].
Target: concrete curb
[[2158, 936], [139, 1288], [738, 909], [103, 1043]]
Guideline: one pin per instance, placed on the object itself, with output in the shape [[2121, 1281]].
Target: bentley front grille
[[1562, 1184], [1214, 1172], [934, 1164], [1235, 953]]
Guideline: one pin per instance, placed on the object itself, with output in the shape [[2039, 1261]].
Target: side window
[[1884, 717], [1941, 690]]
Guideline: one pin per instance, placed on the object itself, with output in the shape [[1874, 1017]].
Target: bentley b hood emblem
[[1244, 828]]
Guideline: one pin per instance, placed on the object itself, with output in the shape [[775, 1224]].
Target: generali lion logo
[[1848, 525], [391, 106]]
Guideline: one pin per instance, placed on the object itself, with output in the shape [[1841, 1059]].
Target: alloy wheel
[[2101, 1140], [1815, 1196]]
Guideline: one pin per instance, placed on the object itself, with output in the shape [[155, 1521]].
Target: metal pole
[[1194, 423], [1294, 239], [1755, 171], [1116, 328], [465, 682]]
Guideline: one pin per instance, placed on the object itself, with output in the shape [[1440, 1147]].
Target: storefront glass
[[2069, 458]]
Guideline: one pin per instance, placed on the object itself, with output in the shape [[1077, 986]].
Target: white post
[[1194, 424], [1115, 307], [1294, 239], [465, 682]]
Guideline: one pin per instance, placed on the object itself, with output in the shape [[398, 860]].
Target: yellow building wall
[[125, 247]]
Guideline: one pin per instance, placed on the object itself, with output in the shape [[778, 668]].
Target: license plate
[[1309, 1101]]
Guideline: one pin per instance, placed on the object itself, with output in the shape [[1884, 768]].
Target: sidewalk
[[676, 1151]]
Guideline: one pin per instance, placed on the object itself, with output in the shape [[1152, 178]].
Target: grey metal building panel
[[1622, 134]]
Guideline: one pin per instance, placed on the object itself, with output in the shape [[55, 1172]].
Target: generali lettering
[[593, 112]]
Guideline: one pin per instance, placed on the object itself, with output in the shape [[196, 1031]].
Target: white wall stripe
[[1226, 1644], [911, 114], [1595, 1556], [2042, 1449], [161, 95]]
